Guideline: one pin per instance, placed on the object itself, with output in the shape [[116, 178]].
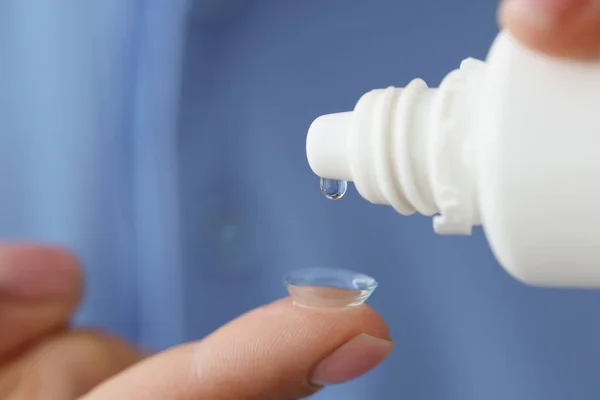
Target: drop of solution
[[333, 189]]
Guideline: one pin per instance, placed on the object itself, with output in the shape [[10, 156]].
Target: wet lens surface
[[329, 287]]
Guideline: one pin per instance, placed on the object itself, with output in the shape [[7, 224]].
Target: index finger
[[275, 352]]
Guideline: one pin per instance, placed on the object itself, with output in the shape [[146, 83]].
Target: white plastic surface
[[512, 143], [539, 166], [327, 146], [407, 148]]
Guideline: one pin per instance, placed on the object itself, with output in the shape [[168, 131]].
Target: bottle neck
[[412, 148]]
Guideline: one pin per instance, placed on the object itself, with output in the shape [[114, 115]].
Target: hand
[[565, 28], [274, 352]]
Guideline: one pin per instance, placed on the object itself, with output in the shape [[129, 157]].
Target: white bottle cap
[[407, 147]]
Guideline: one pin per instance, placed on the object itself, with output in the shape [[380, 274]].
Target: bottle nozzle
[[409, 148], [327, 146]]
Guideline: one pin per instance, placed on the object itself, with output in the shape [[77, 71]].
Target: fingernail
[[34, 273], [351, 360], [542, 13]]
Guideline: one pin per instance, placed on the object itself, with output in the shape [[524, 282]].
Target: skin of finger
[[24, 321], [29, 269], [265, 354], [66, 366], [23, 324], [574, 34]]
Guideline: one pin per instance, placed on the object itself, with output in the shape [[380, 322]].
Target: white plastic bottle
[[512, 144]]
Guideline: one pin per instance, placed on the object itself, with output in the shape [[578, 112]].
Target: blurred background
[[164, 141]]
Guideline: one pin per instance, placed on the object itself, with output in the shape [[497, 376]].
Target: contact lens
[[329, 287]]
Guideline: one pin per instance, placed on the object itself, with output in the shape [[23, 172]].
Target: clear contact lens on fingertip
[[329, 287]]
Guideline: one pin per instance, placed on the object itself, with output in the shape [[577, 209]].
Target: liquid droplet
[[333, 189]]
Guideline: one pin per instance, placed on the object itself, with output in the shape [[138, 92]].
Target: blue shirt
[[163, 140]]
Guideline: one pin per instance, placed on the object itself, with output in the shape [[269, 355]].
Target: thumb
[[274, 352], [565, 28]]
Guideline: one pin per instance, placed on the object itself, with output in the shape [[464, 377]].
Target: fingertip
[[351, 360], [361, 319], [52, 256], [562, 28], [38, 272], [288, 349]]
